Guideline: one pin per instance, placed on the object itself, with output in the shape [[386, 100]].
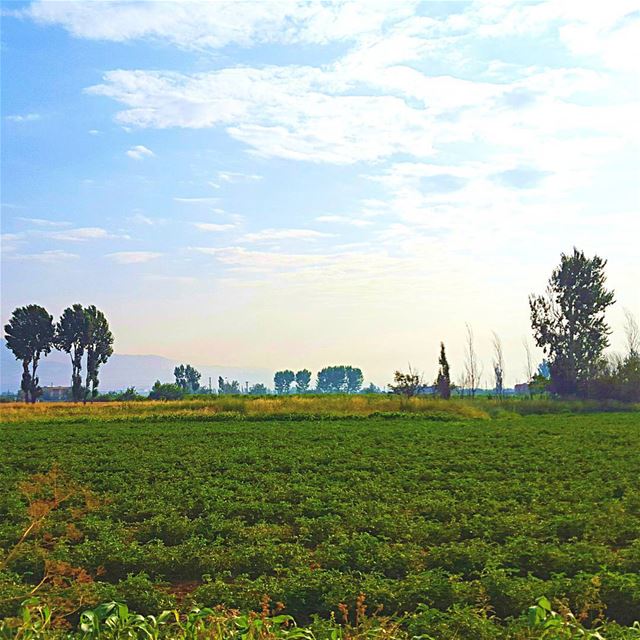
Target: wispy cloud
[[236, 176], [141, 218], [354, 222], [205, 200], [242, 257], [271, 235], [140, 152], [133, 257], [48, 257], [82, 234], [42, 222], [27, 117], [211, 226]]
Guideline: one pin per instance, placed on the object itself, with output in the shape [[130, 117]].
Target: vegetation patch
[[448, 523]]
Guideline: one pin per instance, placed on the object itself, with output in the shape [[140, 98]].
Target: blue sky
[[288, 184]]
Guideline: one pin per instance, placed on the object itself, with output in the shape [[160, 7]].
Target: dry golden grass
[[241, 406]]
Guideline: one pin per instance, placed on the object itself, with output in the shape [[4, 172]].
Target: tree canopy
[[569, 324], [29, 334]]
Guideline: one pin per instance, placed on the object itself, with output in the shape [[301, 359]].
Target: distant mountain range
[[122, 371]]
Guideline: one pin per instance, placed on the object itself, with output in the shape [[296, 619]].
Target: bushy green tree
[[568, 322], [443, 381], [282, 381], [354, 379], [406, 384], [187, 378], [258, 390], [30, 334], [303, 380], [166, 391], [71, 337], [339, 379]]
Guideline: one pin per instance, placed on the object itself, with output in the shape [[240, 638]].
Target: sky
[[299, 184]]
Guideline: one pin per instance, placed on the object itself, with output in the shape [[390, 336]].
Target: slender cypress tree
[[443, 382]]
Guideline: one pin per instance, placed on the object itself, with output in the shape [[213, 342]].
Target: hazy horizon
[[296, 185]]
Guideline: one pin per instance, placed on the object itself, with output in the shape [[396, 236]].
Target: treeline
[[82, 332], [335, 379], [568, 324]]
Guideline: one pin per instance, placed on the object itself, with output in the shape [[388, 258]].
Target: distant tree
[[528, 359], [181, 378], [371, 388], [71, 337], [406, 384], [472, 368], [544, 370], [498, 365], [232, 388], [632, 334], [303, 380], [354, 379], [282, 381], [228, 388], [258, 390], [332, 380], [626, 372], [29, 334], [568, 322], [193, 378], [129, 395], [443, 381], [187, 378], [540, 381], [99, 345], [166, 391]]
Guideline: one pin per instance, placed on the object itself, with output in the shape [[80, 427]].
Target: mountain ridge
[[123, 370]]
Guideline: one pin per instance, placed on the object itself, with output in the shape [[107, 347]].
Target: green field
[[465, 520]]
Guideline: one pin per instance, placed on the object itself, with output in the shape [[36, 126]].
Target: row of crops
[[459, 524]]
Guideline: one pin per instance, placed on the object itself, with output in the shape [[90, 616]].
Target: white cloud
[[81, 234], [42, 222], [47, 257], [236, 176], [210, 226], [289, 112], [211, 25], [197, 200], [354, 222], [10, 242], [139, 152], [260, 260], [27, 117], [271, 235], [133, 257]]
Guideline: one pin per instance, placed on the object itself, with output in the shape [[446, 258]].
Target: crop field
[[460, 516]]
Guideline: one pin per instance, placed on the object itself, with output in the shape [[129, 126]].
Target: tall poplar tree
[[71, 337], [99, 347]]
